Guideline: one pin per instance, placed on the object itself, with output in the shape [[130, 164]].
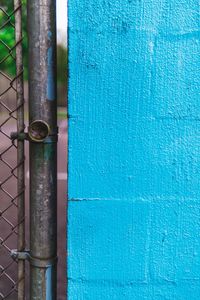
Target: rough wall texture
[[134, 150]]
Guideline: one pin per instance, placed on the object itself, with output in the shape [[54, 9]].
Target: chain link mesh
[[11, 193]]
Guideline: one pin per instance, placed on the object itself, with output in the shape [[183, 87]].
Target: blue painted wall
[[134, 150]]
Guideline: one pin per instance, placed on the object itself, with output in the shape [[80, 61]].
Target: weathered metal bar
[[20, 147], [43, 148]]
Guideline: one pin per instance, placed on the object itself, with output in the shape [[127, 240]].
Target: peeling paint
[[50, 71], [49, 35], [50, 76], [49, 283]]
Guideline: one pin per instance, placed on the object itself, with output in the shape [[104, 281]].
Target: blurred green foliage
[[61, 65], [7, 42], [7, 37]]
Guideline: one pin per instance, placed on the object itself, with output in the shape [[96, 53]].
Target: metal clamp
[[38, 132], [19, 136], [36, 262], [16, 255]]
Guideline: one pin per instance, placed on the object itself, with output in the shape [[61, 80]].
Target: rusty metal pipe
[[43, 153]]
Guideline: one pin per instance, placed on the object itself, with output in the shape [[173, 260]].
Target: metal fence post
[[20, 146], [43, 148]]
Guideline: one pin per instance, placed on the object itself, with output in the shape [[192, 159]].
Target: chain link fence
[[12, 234]]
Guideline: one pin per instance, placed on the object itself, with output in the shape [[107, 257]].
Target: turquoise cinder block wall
[[134, 150]]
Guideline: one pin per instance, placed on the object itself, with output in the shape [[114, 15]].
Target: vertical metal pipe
[[20, 146], [43, 153]]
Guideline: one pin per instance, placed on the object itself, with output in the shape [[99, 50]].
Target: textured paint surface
[[134, 150]]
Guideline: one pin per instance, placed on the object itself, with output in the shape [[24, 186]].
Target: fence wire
[[11, 151]]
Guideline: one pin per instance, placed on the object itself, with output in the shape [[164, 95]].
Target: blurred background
[[7, 36], [8, 125]]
